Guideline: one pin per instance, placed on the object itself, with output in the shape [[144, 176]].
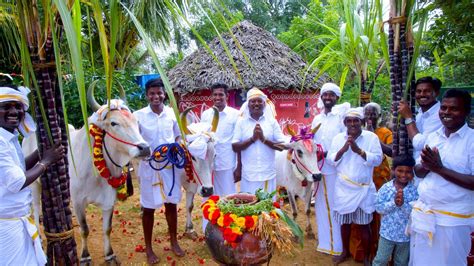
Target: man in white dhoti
[[443, 217], [225, 160], [158, 126], [329, 232], [355, 153], [19, 237], [256, 136]]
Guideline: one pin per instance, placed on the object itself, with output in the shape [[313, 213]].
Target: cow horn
[[121, 90], [215, 119], [90, 96], [314, 130], [184, 120], [290, 130]]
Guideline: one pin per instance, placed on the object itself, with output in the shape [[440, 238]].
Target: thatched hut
[[261, 61]]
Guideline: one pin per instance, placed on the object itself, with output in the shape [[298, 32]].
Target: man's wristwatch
[[409, 121]]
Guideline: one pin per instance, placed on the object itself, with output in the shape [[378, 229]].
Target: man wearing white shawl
[[19, 241], [330, 119], [256, 134], [354, 153], [443, 217]]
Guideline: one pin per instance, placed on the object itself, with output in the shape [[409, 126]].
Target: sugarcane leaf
[[224, 45], [74, 45], [294, 227], [156, 61], [104, 46]]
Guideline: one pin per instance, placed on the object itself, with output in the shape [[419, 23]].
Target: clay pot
[[251, 250]]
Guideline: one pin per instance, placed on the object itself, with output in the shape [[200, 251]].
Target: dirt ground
[[127, 234]]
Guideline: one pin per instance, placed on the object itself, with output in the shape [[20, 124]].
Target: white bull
[[201, 144], [121, 142], [297, 170]]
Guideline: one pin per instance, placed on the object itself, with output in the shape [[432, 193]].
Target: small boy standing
[[393, 203]]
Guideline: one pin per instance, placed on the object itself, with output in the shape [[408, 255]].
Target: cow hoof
[[112, 260], [191, 235], [86, 261]]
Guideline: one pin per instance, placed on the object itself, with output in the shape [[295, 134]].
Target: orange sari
[[381, 175]]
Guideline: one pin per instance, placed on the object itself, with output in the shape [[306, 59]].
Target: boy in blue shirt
[[393, 203]]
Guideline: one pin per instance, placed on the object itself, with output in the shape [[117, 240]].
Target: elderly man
[[443, 217], [427, 119], [19, 241], [225, 160], [355, 153], [256, 134], [330, 119]]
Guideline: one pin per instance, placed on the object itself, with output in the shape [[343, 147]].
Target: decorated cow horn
[[314, 130], [290, 130], [184, 120], [90, 96], [215, 119]]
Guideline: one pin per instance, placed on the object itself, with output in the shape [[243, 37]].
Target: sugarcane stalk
[[61, 249]]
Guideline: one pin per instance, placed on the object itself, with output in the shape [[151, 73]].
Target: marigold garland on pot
[[116, 182], [230, 224]]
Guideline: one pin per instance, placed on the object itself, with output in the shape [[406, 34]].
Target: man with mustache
[[19, 241], [256, 136], [443, 217], [354, 153], [427, 119], [330, 118]]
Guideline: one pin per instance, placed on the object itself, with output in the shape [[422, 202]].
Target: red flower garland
[[99, 162]]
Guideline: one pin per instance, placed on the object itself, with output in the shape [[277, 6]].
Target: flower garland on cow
[[306, 135], [259, 215], [116, 182]]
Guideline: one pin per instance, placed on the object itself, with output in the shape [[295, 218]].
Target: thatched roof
[[273, 64]]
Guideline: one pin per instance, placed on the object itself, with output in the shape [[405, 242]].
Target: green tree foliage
[[307, 34], [448, 46], [274, 16]]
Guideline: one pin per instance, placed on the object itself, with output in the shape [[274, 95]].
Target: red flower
[[227, 220], [205, 211], [214, 198], [215, 215], [249, 222], [229, 236], [139, 248], [276, 204]]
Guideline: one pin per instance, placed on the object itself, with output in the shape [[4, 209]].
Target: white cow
[[123, 142], [297, 170], [201, 144]]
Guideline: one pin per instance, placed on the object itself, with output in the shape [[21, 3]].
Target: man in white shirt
[[225, 160], [355, 153], [19, 241], [256, 136], [158, 126], [427, 119], [329, 233], [443, 217]]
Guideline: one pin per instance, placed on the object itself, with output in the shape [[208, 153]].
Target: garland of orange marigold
[[116, 182], [231, 225]]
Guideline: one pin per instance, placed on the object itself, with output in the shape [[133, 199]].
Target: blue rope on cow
[[165, 154]]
